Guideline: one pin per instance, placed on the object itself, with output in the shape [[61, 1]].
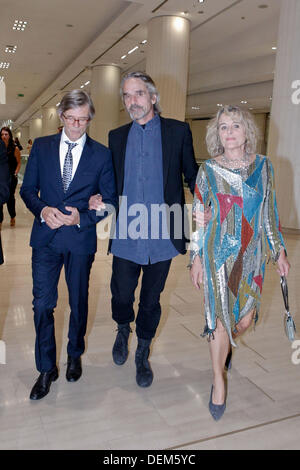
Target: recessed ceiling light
[[244, 102], [132, 50], [86, 83], [144, 42], [123, 56], [11, 49], [274, 48], [219, 105], [4, 65], [195, 107], [19, 25]]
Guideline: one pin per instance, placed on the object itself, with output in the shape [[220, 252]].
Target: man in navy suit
[[150, 155], [62, 172]]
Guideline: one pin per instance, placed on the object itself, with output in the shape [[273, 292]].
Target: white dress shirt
[[76, 151]]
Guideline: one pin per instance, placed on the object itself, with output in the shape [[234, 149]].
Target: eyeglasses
[[72, 120]]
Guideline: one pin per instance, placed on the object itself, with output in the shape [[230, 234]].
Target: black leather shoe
[[144, 374], [43, 383], [120, 347], [74, 369]]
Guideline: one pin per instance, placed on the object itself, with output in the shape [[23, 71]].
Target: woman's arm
[[272, 225], [18, 158]]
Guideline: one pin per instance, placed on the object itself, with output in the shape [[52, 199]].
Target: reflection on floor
[[105, 409]]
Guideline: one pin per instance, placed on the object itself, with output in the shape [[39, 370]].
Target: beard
[[137, 112]]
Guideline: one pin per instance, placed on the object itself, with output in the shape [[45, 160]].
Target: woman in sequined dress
[[229, 255]]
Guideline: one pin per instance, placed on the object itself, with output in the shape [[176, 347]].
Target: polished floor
[[105, 409]]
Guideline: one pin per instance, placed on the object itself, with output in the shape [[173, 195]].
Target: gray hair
[[74, 99], [151, 87], [213, 142]]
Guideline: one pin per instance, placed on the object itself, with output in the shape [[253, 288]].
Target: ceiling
[[231, 52]]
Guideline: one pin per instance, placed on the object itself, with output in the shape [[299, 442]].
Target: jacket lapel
[[56, 163], [120, 157], [166, 142], [83, 165]]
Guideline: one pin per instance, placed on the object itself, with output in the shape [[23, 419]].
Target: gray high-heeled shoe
[[216, 411]]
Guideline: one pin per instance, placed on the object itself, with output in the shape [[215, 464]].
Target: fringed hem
[[208, 332], [210, 335]]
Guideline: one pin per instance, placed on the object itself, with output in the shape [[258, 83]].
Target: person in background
[[229, 254], [14, 163], [4, 184], [29, 146], [18, 144]]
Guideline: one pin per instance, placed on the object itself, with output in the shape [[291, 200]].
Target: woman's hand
[[283, 264], [95, 203], [202, 218], [196, 272]]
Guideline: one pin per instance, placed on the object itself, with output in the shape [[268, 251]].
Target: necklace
[[245, 160]]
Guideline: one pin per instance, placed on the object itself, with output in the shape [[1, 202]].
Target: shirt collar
[[155, 121], [80, 141]]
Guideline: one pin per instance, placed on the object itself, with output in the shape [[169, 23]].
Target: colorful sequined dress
[[234, 244]]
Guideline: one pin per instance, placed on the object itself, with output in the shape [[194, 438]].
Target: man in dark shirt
[[149, 156], [4, 184]]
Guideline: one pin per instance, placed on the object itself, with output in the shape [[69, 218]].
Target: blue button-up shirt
[[141, 230]]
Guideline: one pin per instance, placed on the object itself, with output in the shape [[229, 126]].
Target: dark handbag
[[289, 325], [1, 252]]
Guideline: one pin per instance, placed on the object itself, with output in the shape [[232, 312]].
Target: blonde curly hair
[[213, 142]]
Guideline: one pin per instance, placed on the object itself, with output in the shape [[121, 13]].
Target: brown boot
[[12, 222]]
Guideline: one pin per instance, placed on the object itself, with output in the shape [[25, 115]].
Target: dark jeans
[[11, 203], [46, 268], [125, 276]]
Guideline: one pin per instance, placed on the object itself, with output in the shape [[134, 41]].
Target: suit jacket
[[4, 183], [178, 160], [42, 186]]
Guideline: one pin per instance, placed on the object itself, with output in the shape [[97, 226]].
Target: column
[[167, 62], [105, 93], [283, 145], [35, 128], [50, 120], [23, 137]]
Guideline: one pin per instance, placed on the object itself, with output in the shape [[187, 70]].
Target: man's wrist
[[41, 214]]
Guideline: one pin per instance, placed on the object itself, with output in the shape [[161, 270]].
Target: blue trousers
[[125, 276], [46, 267]]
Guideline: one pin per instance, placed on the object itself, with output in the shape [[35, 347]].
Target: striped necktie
[[68, 166]]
